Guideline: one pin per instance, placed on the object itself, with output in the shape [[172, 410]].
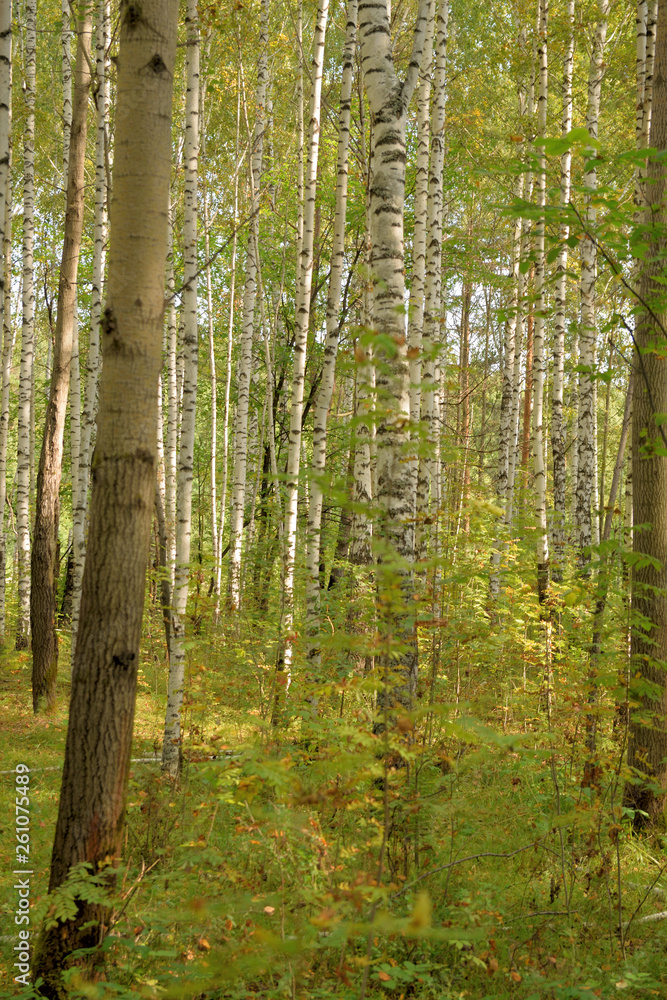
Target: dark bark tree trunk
[[47, 508], [647, 749], [97, 754]]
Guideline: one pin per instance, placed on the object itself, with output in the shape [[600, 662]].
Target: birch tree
[[171, 747], [333, 321], [5, 277], [302, 323], [560, 321], [416, 314], [539, 356], [66, 70], [244, 366], [99, 735], [389, 98], [93, 359], [431, 341], [586, 463], [26, 375]]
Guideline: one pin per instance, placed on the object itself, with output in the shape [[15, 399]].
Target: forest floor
[[459, 858]]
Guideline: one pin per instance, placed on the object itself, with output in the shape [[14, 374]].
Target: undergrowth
[[466, 852]]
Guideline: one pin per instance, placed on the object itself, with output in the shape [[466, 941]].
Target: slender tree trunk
[[5, 277], [93, 361], [539, 354], [75, 466], [97, 753], [586, 466], [215, 539], [362, 434], [417, 278], [602, 593], [560, 322], [244, 366], [302, 323], [26, 376], [300, 189], [465, 402], [647, 749], [171, 747], [509, 397], [66, 63], [333, 320], [528, 388], [520, 325], [173, 404], [47, 506], [428, 493], [230, 344]]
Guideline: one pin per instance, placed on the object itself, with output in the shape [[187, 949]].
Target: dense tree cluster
[[381, 307]]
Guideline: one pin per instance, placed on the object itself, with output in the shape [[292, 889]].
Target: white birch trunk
[[302, 323], [416, 314], [75, 409], [5, 276], [389, 99], [560, 322], [171, 747], [66, 62], [587, 472], [212, 368], [508, 413], [362, 436], [539, 358], [230, 343], [300, 137], [173, 404], [94, 357], [244, 366], [428, 488], [26, 376], [325, 393]]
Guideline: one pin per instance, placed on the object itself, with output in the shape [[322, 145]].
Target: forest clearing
[[333, 499]]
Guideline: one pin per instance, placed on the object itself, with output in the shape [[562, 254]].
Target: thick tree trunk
[[47, 506], [389, 98], [97, 754], [647, 749]]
